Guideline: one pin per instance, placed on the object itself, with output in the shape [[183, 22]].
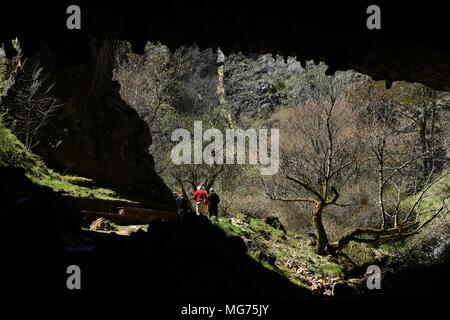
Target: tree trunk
[[432, 138], [381, 184], [423, 143], [322, 239]]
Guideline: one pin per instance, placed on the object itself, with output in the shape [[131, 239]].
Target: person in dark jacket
[[182, 204], [213, 203]]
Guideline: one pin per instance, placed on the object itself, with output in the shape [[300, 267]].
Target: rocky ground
[[287, 253]]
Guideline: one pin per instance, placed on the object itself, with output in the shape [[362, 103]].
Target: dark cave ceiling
[[412, 44]]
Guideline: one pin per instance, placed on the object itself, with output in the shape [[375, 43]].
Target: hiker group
[[206, 203]]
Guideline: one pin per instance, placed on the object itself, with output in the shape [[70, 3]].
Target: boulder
[[274, 222], [102, 224]]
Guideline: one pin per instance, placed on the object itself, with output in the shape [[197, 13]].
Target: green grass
[[229, 228], [79, 181], [14, 154], [258, 225], [332, 269], [63, 183], [433, 197]]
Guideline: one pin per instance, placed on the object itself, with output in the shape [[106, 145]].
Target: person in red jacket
[[201, 199]]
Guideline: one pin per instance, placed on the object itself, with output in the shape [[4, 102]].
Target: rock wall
[[200, 83], [256, 85], [96, 134]]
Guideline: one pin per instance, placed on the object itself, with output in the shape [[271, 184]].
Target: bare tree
[[396, 156], [32, 104], [333, 137], [318, 148], [150, 83], [406, 228], [188, 176], [423, 107], [395, 141]]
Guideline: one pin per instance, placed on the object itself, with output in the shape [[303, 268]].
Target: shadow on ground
[[191, 260]]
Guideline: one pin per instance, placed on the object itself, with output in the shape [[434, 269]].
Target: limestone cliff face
[[200, 82], [256, 85]]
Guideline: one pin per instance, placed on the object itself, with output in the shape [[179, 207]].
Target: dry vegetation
[[353, 153]]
